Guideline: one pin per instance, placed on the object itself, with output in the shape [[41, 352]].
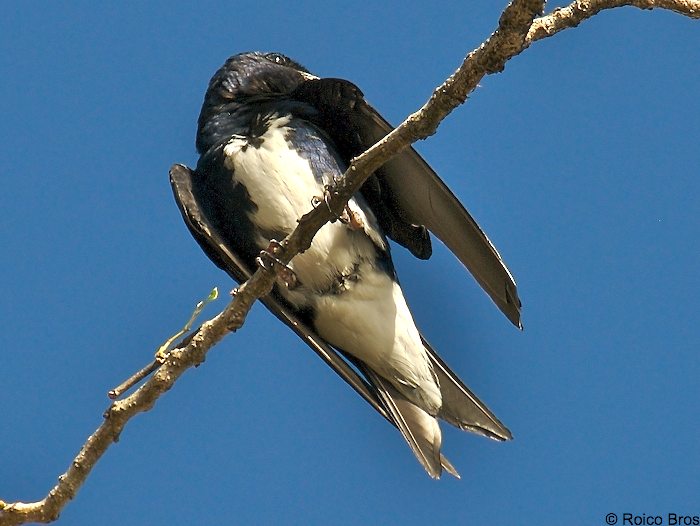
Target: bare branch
[[517, 29], [580, 10]]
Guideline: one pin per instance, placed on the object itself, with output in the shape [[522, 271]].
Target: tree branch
[[517, 29], [580, 10]]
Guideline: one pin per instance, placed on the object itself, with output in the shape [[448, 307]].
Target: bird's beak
[[309, 76]]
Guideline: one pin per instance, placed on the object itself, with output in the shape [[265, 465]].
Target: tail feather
[[421, 431], [461, 407]]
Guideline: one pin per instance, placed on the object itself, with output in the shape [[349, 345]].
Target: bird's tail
[[460, 407], [421, 431]]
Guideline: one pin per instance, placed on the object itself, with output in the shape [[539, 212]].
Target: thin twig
[[162, 352]]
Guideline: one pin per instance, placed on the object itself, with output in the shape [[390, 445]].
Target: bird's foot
[[268, 260], [351, 218], [325, 198]]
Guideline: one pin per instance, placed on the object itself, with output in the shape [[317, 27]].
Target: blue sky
[[580, 161]]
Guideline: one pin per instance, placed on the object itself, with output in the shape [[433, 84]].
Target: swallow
[[273, 138]]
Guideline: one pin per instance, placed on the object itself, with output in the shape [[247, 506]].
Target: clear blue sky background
[[580, 160]]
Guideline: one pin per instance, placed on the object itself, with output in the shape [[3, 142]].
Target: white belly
[[282, 185]]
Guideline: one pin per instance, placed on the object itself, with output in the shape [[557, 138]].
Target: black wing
[[406, 194]]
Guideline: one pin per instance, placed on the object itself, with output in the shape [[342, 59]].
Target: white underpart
[[372, 322], [369, 318]]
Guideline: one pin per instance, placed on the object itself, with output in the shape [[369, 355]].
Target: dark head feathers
[[244, 78]]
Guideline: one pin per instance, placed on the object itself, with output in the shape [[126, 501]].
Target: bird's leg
[[269, 261]]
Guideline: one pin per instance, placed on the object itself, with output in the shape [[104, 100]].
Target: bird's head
[[246, 78]]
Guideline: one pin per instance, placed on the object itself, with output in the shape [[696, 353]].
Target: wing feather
[[460, 406], [410, 194]]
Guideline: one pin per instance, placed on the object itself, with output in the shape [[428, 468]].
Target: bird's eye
[[275, 57], [282, 60]]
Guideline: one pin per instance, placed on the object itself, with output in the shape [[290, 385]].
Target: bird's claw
[[268, 260], [325, 198], [351, 218], [347, 217]]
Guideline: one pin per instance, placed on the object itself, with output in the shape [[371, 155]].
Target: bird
[[273, 138]]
